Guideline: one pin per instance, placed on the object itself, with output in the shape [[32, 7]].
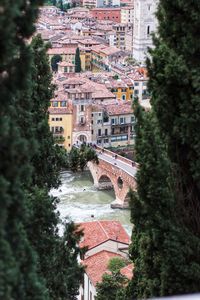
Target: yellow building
[[60, 121], [123, 89]]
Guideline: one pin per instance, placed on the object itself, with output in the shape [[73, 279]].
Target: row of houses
[[84, 111], [94, 109]]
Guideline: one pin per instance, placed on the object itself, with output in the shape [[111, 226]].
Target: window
[[60, 119], [68, 137], [136, 83], [82, 120], [106, 140], [123, 97], [52, 119], [57, 119], [99, 121], [99, 132], [112, 121], [92, 131], [122, 120], [106, 131], [148, 30], [99, 114], [82, 108], [63, 103], [132, 119], [136, 92], [55, 103]]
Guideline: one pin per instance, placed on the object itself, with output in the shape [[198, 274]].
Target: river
[[79, 201]]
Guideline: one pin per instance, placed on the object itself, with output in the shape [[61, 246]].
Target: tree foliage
[[35, 262], [174, 83], [61, 251], [166, 210], [112, 287], [54, 62], [77, 61], [18, 272], [116, 263], [78, 157]]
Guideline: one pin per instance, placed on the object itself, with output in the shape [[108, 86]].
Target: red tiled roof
[[97, 232], [61, 50], [96, 265], [127, 271]]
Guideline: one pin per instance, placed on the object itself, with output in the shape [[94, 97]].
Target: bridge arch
[[108, 174], [105, 182]]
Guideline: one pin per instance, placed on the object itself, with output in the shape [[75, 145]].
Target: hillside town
[[97, 55], [94, 105], [100, 149]]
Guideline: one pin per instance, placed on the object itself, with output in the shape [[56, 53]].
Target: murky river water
[[79, 200]]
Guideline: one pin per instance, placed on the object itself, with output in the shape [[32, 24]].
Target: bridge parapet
[[119, 157]]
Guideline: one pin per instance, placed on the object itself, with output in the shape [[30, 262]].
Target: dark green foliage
[[18, 277], [78, 157], [49, 158], [159, 250], [57, 256], [112, 287], [54, 62], [113, 284], [77, 61], [174, 84], [116, 263], [60, 4]]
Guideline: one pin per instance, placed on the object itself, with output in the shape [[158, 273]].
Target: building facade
[[144, 24]]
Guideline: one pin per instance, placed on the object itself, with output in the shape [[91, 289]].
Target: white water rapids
[[79, 201]]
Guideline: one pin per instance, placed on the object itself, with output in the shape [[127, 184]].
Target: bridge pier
[[117, 203]]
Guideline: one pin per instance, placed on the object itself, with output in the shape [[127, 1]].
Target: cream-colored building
[[127, 15]]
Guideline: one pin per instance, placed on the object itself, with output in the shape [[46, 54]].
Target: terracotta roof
[[97, 232], [119, 109], [61, 50], [96, 265], [127, 271]]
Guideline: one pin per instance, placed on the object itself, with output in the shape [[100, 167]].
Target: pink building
[[112, 14]]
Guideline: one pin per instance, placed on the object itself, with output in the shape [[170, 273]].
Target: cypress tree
[[56, 255], [164, 263], [174, 83], [18, 273], [77, 61]]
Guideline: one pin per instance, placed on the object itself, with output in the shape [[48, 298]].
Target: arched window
[[123, 97]]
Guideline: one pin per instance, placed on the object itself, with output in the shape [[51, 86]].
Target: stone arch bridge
[[114, 171]]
